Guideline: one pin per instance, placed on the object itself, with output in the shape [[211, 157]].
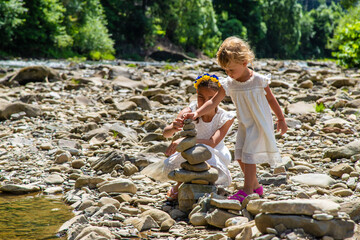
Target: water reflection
[[31, 216]]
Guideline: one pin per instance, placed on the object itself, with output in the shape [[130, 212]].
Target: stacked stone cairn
[[196, 174]]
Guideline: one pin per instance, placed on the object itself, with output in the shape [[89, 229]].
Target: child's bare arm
[[177, 124], [218, 135], [211, 104], [281, 123]]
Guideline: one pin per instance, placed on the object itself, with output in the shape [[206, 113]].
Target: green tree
[[128, 24], [282, 18], [317, 27], [242, 18], [86, 24], [346, 40], [11, 17], [188, 23], [42, 29]]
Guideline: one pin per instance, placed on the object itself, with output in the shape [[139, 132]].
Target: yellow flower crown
[[206, 77]]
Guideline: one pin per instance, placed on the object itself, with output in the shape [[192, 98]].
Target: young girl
[[211, 129], [250, 92]]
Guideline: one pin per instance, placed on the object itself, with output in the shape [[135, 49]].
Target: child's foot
[[172, 194], [240, 196], [259, 190]]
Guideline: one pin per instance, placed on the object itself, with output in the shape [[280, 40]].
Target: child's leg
[[251, 181]]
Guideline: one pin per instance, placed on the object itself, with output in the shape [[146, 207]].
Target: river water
[[32, 216]]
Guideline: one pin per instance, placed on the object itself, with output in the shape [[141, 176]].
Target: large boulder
[[107, 163], [8, 108], [346, 151], [35, 74], [336, 228]]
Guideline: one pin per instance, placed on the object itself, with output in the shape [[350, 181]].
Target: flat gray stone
[[186, 143], [314, 179], [336, 228], [19, 189], [182, 175], [197, 154], [300, 207], [204, 166]]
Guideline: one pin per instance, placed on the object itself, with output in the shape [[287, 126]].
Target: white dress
[[255, 140], [221, 156]]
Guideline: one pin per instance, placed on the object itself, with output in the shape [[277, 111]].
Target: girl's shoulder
[[224, 116], [262, 79]]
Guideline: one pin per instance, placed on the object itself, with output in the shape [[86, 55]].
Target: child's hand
[[191, 115], [177, 124], [172, 148], [281, 126]]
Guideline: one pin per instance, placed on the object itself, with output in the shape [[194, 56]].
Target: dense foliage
[[101, 29], [346, 41]]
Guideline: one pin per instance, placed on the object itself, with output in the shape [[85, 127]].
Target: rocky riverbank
[[87, 132]]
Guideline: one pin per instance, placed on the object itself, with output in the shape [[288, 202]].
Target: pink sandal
[[259, 190], [239, 195], [172, 195]]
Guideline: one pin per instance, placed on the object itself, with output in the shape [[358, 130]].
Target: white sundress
[[255, 140], [221, 156]]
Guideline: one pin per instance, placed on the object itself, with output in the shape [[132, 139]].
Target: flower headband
[[206, 77]]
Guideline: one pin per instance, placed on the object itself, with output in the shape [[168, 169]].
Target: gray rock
[[35, 74], [340, 81], [346, 151], [106, 209], [118, 186], [198, 219], [124, 106], [189, 126], [278, 83], [277, 181], [218, 218], [124, 132], [190, 193], [54, 179], [88, 181], [142, 102], [19, 189], [353, 104], [185, 144], [8, 108], [63, 157], [80, 219], [157, 148], [107, 163], [300, 108], [163, 99], [130, 169], [153, 92], [93, 232], [131, 116], [146, 223], [107, 200], [197, 154], [335, 228], [124, 82], [340, 169], [226, 204], [204, 166], [352, 208], [162, 218], [314, 179], [300, 207], [306, 84], [182, 175]]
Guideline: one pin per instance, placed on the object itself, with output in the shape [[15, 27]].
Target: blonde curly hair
[[234, 49]]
